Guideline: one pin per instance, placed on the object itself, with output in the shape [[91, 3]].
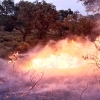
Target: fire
[[63, 55], [13, 57], [54, 61]]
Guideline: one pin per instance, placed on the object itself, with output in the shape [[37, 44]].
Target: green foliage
[[8, 7], [64, 13]]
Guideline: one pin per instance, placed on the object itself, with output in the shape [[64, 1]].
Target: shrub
[[23, 47]]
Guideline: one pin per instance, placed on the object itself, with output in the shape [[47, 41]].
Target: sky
[[65, 4]]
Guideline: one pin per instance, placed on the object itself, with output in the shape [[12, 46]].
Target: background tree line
[[42, 18]]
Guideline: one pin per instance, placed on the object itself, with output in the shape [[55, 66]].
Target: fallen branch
[[34, 80], [83, 92]]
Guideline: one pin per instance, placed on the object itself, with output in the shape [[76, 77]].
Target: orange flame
[[65, 56]]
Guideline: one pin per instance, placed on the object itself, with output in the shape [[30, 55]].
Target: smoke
[[65, 68]]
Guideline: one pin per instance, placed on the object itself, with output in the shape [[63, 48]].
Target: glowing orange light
[[59, 56]]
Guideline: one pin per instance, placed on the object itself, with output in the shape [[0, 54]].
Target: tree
[[64, 13], [8, 6], [70, 12], [91, 5], [57, 27], [36, 16], [45, 16], [25, 15], [1, 10], [9, 27], [79, 25], [7, 11]]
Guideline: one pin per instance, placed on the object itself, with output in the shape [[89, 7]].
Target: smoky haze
[[67, 75]]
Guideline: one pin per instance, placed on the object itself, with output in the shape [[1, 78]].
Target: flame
[[66, 55], [13, 57], [54, 61]]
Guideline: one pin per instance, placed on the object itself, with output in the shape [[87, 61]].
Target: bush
[[7, 38], [23, 47], [1, 40]]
